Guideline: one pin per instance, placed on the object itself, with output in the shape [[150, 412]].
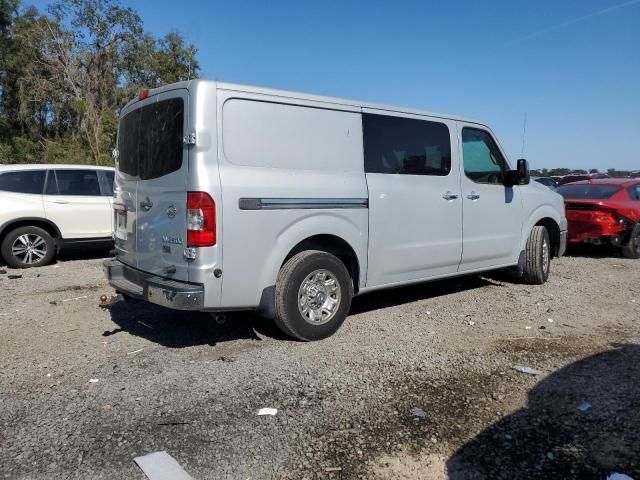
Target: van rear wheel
[[537, 256], [313, 295]]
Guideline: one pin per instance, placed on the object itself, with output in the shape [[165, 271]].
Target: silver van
[[229, 197]]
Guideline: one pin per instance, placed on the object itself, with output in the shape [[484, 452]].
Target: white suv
[[44, 208]]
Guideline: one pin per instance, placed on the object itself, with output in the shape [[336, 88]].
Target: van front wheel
[[537, 256], [313, 295]]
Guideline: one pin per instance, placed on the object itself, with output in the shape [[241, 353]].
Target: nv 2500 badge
[[172, 240]]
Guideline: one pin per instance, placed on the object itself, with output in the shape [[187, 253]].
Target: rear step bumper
[[161, 291]]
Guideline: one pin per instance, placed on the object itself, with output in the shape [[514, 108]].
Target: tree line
[[65, 74]]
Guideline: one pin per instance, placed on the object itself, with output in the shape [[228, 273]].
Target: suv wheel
[[27, 247], [313, 295], [537, 256], [632, 248]]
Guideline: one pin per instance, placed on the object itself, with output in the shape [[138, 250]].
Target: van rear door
[[151, 198]]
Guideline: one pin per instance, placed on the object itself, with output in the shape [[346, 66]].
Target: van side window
[[28, 181], [483, 162], [399, 145]]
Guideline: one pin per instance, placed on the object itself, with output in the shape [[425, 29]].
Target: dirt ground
[[182, 383]]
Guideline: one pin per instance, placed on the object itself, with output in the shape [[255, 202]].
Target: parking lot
[[418, 383]]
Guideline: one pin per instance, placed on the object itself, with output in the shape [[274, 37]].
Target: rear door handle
[[450, 196], [61, 202], [473, 196], [146, 204]]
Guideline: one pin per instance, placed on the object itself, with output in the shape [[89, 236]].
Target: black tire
[[631, 249], [537, 263], [38, 240], [295, 273]]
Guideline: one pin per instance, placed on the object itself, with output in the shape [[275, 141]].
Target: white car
[[46, 208], [232, 197]]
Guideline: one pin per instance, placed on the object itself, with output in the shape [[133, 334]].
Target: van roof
[[41, 166], [309, 96]]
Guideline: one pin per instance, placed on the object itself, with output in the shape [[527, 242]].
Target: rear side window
[[587, 191], [634, 192], [28, 181], [107, 185], [77, 182], [398, 145], [150, 139], [483, 162]]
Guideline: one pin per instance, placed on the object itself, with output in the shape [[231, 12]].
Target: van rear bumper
[[161, 291]]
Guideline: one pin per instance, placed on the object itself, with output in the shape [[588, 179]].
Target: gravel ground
[[182, 383]]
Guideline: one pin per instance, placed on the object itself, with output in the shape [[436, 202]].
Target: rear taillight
[[201, 220], [605, 216]]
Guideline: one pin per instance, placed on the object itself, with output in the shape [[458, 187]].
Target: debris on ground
[[161, 466], [108, 301], [417, 413], [584, 406], [226, 359], [268, 411], [75, 298], [472, 323], [527, 370], [550, 320], [333, 469], [619, 476], [3, 271], [14, 277], [135, 351], [93, 380], [527, 327]]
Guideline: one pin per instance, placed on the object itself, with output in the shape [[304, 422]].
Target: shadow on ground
[[176, 329], [420, 291], [552, 438], [593, 251]]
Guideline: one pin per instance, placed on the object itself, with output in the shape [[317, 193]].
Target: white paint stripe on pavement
[[161, 466]]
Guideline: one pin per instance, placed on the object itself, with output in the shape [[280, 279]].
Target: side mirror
[[523, 175]]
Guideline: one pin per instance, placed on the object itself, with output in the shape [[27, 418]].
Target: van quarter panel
[[299, 154]]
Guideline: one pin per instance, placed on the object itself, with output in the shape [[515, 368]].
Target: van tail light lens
[[201, 220]]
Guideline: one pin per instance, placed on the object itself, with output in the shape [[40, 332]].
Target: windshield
[[587, 191], [150, 140]]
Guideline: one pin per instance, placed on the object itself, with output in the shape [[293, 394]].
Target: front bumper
[[161, 291], [562, 248]]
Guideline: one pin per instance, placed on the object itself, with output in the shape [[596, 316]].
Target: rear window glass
[[150, 140], [587, 191], [29, 181]]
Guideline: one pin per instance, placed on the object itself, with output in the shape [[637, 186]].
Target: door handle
[[473, 196], [450, 196], [146, 204], [61, 202]]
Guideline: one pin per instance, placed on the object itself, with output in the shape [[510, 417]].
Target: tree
[[65, 75]]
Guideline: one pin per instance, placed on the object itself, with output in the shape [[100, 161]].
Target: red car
[[604, 211]]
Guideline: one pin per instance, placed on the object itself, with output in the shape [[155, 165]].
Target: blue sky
[[573, 66]]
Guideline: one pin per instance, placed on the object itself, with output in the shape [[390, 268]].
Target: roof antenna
[[524, 131]]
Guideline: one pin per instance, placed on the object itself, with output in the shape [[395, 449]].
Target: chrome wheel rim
[[29, 248], [319, 297], [545, 256]]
